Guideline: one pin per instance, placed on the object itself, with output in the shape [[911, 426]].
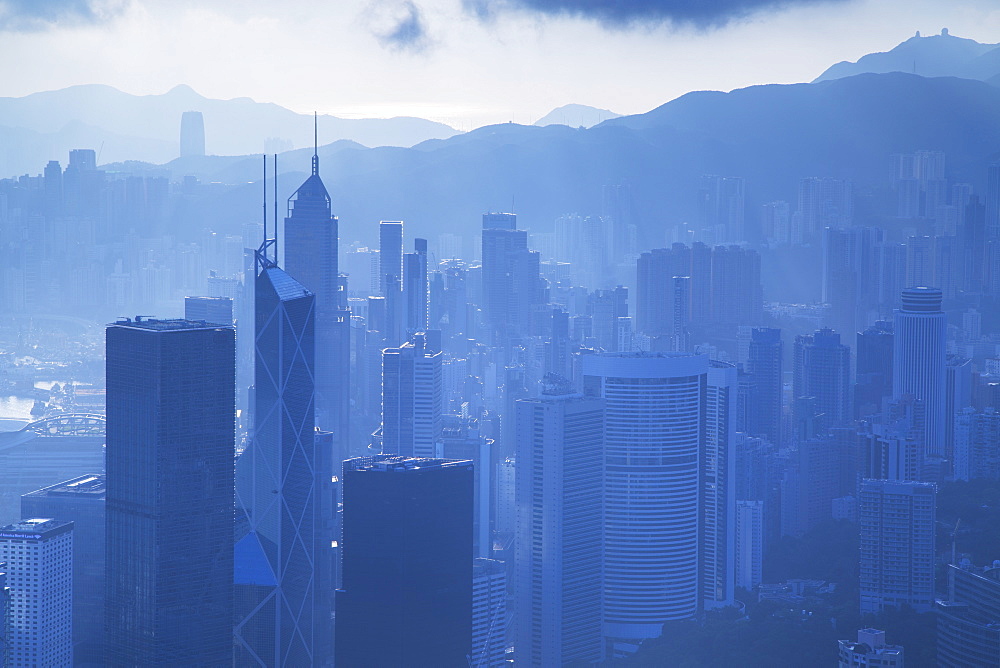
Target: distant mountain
[[87, 116], [771, 135], [576, 116], [941, 55]]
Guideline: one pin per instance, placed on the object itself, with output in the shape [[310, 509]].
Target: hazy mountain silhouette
[[232, 127], [941, 55], [772, 135], [576, 116]]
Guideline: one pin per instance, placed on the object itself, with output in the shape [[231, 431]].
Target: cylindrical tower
[[918, 360], [655, 404]]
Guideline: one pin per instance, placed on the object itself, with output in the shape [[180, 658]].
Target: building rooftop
[[394, 463], [88, 486], [35, 529], [178, 324]]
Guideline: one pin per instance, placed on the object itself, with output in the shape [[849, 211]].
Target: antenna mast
[[275, 207], [263, 183], [315, 164]]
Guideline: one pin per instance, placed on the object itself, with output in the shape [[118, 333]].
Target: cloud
[[399, 25], [34, 15], [628, 13]]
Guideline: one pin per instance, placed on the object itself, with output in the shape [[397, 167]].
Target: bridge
[[67, 424]]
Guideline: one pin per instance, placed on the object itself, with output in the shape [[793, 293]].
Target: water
[[18, 408]]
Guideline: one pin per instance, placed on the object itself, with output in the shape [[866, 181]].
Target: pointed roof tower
[[312, 196]]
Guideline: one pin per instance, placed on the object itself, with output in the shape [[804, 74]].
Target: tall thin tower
[[311, 256]]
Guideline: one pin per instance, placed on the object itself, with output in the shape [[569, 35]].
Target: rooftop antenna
[[275, 207], [263, 182], [315, 144]]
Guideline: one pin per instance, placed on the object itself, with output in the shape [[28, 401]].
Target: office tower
[[462, 438], [412, 399], [737, 297], [764, 368], [749, 543], [489, 614], [80, 501], [869, 650], [406, 597], [192, 134], [977, 444], [169, 508], [717, 461], [968, 620], [972, 241], [415, 286], [5, 612], [722, 206], [897, 544], [993, 201], [215, 310], [511, 282], [390, 252], [825, 202], [655, 416], [39, 564], [918, 362], [823, 371], [558, 555], [891, 276], [850, 270], [873, 369], [53, 189], [311, 258], [281, 617]]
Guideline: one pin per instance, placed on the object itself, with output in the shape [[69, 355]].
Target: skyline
[[438, 59]]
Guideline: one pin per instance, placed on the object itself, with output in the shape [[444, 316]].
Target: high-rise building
[[4, 616], [412, 399], [764, 368], [722, 206], [749, 543], [897, 544], [558, 555], [311, 257], [968, 620], [873, 369], [654, 437], [80, 501], [489, 614], [825, 202], [717, 462], [511, 281], [822, 371], [169, 508], [869, 651], [192, 134], [406, 597], [977, 444], [918, 363], [39, 564], [282, 618], [415, 287], [216, 310]]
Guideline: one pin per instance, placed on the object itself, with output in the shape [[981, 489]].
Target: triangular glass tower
[[275, 571]]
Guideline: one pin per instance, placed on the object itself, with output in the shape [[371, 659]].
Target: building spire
[[315, 144]]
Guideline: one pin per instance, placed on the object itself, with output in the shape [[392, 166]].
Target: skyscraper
[[407, 580], [717, 463], [311, 257], [764, 366], [281, 619], [873, 370], [968, 620], [39, 563], [415, 287], [412, 399], [655, 417], [511, 282], [749, 543], [558, 555], [897, 544], [170, 443], [80, 501], [489, 614], [823, 371], [192, 134], [918, 363]]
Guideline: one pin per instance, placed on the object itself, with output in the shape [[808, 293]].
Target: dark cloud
[[32, 15], [402, 26], [626, 13]]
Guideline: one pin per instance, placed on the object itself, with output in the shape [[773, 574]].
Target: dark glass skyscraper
[[171, 408], [406, 598], [281, 620]]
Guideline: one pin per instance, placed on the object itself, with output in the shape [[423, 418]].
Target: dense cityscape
[[271, 440]]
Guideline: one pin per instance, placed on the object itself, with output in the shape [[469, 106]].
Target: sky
[[464, 62]]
